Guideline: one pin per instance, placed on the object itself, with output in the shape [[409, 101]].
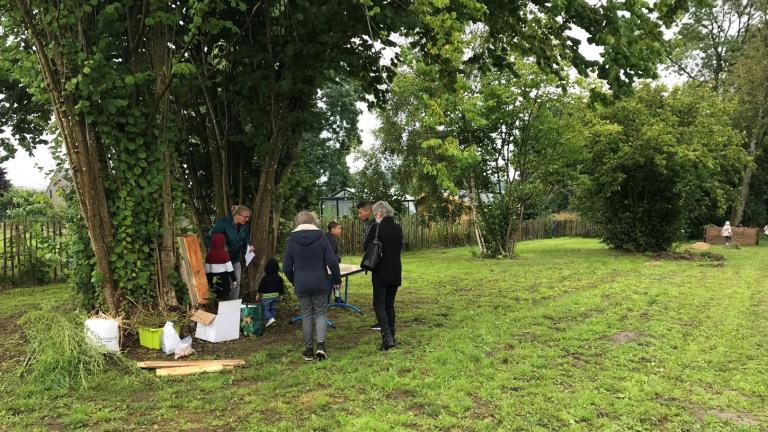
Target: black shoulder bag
[[373, 253]]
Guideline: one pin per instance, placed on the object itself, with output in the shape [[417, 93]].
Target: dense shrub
[[660, 162]]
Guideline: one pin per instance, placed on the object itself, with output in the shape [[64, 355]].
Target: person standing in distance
[[727, 233], [237, 231], [387, 276], [365, 214]]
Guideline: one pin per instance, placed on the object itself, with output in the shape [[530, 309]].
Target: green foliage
[[24, 206], [711, 39], [23, 118], [59, 355], [510, 141], [321, 167], [493, 219], [27, 214], [111, 83], [81, 276], [5, 183], [375, 182], [661, 161], [748, 85], [243, 89]]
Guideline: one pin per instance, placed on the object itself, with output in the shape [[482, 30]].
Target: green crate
[[150, 337]]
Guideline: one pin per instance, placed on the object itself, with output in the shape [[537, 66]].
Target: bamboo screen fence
[[419, 234]]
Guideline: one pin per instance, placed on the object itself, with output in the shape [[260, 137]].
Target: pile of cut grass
[[59, 354]]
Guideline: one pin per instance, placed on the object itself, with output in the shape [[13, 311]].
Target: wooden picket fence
[[21, 250], [544, 228], [421, 234]]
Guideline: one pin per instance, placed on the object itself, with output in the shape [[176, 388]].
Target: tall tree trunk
[[161, 63], [83, 157], [262, 210], [473, 200], [758, 133], [219, 159]]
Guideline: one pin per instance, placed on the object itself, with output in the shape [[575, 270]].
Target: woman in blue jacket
[[237, 231], [307, 259]]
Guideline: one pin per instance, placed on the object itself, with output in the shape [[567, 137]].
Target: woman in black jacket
[[387, 276], [306, 261]]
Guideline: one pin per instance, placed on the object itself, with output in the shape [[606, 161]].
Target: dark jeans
[[384, 306]]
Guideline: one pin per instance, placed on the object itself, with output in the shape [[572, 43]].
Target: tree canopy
[[198, 105]]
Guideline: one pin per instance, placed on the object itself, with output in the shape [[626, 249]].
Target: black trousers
[[384, 305]]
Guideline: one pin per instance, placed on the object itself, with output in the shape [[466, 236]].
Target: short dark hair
[[365, 204], [332, 225]]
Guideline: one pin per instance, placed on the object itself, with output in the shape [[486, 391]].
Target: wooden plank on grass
[[154, 364], [190, 370]]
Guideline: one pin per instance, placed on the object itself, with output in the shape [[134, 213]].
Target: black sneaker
[[376, 327], [308, 354], [320, 353]]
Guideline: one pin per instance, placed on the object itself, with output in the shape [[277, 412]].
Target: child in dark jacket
[[333, 234], [271, 288], [218, 267]]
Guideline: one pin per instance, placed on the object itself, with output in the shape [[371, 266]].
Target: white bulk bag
[[104, 333]]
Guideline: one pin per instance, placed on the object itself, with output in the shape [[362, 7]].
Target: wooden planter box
[[741, 236]]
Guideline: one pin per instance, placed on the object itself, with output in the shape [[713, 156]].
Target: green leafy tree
[[127, 80], [710, 40], [375, 181], [710, 47], [27, 212], [748, 84], [104, 70], [23, 118], [659, 162], [321, 166], [510, 141], [5, 183]]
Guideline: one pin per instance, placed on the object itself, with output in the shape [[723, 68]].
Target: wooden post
[[13, 255], [5, 252], [52, 234]]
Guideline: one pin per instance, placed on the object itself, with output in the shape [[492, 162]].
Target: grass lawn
[[569, 336]]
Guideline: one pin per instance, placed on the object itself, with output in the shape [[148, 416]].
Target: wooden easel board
[[193, 269]]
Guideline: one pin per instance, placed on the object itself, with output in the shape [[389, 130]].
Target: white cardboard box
[[222, 327]]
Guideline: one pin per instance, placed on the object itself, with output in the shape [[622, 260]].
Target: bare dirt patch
[[701, 412], [401, 394], [699, 246], [653, 264], [12, 346], [576, 360], [735, 417], [625, 337], [739, 418], [482, 410], [716, 264], [688, 256]]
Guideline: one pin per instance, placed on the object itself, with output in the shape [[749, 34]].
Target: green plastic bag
[[252, 319]]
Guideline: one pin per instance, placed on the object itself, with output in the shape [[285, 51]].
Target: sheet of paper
[[248, 257]]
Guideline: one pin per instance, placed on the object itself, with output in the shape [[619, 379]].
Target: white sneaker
[[270, 322]]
